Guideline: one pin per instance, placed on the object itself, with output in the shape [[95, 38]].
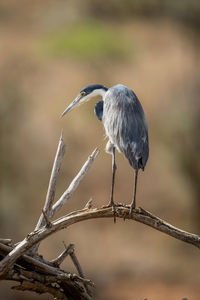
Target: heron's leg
[[133, 203], [114, 167]]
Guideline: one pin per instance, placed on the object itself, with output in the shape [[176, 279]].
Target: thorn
[[144, 211], [89, 204]]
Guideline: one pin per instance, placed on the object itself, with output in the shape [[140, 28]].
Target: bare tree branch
[[6, 241], [76, 262], [140, 215], [48, 211], [38, 264], [36, 274], [70, 250], [57, 262], [78, 266], [40, 288], [50, 279], [75, 182], [52, 183], [41, 283]]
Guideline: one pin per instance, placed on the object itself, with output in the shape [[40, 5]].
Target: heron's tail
[[136, 157]]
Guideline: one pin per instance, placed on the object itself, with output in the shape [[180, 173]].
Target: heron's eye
[[83, 93]]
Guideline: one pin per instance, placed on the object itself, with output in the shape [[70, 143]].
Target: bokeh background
[[49, 50]]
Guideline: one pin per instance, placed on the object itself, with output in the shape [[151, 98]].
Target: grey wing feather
[[127, 127], [98, 110], [135, 142]]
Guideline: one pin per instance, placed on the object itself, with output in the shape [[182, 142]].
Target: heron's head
[[86, 94]]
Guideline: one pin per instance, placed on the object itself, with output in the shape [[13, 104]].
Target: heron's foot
[[131, 210], [117, 205], [122, 205], [114, 211], [114, 206]]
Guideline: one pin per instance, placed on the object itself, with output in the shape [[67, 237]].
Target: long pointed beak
[[72, 105]]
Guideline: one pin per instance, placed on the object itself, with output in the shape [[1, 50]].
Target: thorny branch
[[36, 274], [139, 215]]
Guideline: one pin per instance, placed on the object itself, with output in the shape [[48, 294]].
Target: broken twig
[[75, 182], [52, 183]]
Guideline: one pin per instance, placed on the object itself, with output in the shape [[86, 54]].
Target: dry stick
[[72, 187], [57, 261], [52, 183], [76, 263], [70, 251], [6, 241], [42, 267], [70, 289], [78, 267], [75, 182], [140, 216], [40, 288], [49, 210]]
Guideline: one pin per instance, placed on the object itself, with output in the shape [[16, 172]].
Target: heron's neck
[[99, 92]]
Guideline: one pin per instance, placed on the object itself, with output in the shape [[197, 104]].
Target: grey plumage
[[125, 125]]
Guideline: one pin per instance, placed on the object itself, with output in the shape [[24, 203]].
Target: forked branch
[[140, 215], [25, 271], [36, 274]]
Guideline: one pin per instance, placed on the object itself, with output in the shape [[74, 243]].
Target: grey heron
[[125, 125]]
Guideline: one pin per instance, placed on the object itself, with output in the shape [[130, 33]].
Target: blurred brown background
[[49, 50]]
